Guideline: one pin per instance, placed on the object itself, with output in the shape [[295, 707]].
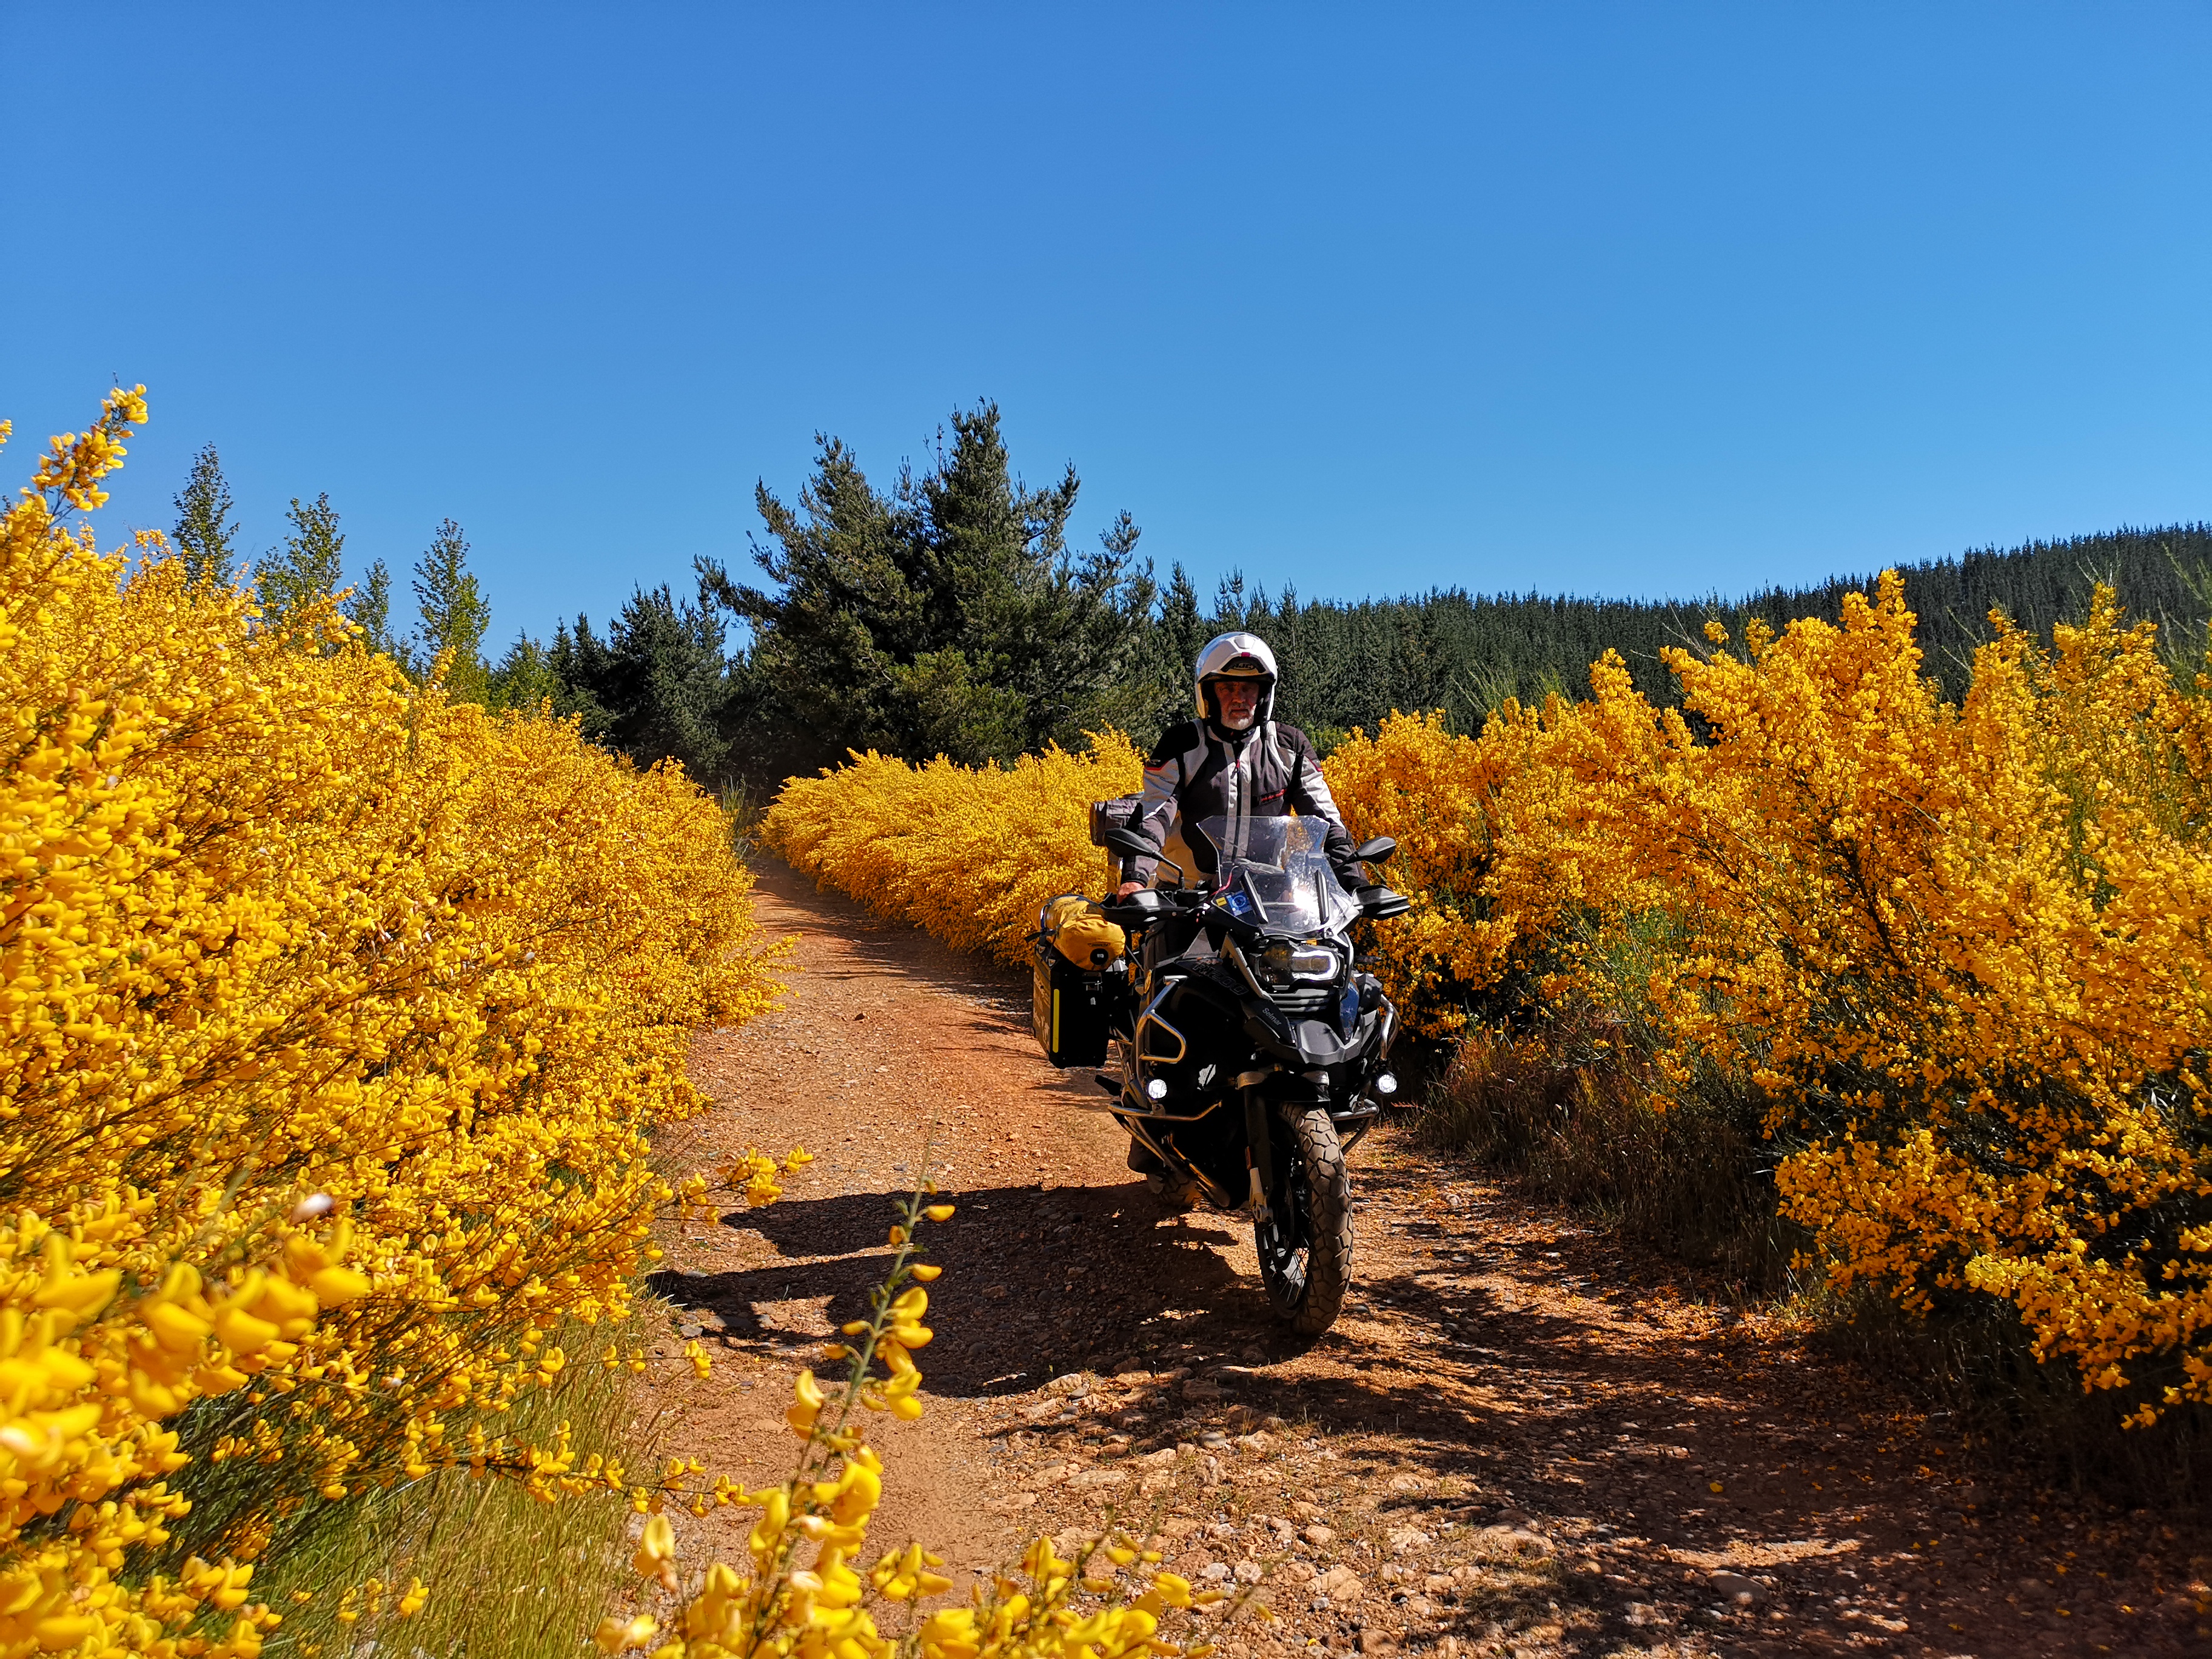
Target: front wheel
[[1305, 1243]]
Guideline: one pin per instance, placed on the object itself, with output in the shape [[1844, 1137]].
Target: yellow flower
[[656, 1552], [806, 1405], [620, 1635], [900, 1394]]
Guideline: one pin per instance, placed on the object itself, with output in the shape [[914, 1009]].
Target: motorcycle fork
[[1259, 1154]]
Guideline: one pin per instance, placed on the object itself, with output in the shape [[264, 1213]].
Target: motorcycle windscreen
[[1276, 871]]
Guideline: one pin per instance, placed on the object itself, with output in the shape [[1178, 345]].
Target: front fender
[[1271, 1032]]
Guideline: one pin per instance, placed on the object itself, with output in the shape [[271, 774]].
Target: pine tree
[[661, 685], [524, 679], [311, 565], [578, 661], [369, 606], [949, 616], [909, 621], [1171, 647], [454, 615], [205, 532]]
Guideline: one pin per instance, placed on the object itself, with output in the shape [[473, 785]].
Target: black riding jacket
[[1268, 772]]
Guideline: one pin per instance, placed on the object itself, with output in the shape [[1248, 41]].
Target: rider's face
[[1239, 700]]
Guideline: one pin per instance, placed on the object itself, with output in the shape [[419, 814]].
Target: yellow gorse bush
[[1963, 952], [335, 1014], [806, 1591], [969, 854], [1442, 797], [1960, 951]]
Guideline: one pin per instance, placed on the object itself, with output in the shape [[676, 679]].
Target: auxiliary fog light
[[1158, 1088], [1385, 1083]]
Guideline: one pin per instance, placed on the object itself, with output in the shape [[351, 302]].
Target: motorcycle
[[1251, 1050]]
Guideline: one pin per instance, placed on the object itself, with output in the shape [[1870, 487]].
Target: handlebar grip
[[1381, 904]]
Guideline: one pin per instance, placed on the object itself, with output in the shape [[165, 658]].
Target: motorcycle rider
[[1235, 762]]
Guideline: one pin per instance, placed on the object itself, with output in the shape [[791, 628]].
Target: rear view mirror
[[1374, 852]]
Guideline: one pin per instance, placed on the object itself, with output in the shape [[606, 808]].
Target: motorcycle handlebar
[[1375, 903], [1143, 908]]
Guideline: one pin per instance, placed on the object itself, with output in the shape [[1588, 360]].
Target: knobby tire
[[1317, 1197]]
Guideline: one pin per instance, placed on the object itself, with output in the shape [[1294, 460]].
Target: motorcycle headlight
[[1284, 962]]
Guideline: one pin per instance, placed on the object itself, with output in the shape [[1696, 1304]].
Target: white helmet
[[1235, 656]]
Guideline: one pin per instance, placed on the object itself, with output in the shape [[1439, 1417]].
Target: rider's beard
[[1240, 721]]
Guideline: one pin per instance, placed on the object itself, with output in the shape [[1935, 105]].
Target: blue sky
[[1620, 299]]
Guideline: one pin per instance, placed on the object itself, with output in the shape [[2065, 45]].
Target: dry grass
[[1563, 1106], [1972, 1363], [509, 1578], [743, 806]]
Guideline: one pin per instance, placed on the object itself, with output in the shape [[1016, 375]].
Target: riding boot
[[1176, 1197]]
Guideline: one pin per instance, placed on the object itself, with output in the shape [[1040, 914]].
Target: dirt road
[[1519, 1439]]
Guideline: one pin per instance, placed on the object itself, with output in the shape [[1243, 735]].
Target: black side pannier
[[1077, 978]]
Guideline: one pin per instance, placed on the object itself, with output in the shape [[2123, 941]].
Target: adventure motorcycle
[[1251, 1048]]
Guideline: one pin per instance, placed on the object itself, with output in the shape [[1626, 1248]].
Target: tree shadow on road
[[1037, 1282]]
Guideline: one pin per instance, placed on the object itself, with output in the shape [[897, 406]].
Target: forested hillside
[[1349, 663], [951, 615], [954, 614]]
